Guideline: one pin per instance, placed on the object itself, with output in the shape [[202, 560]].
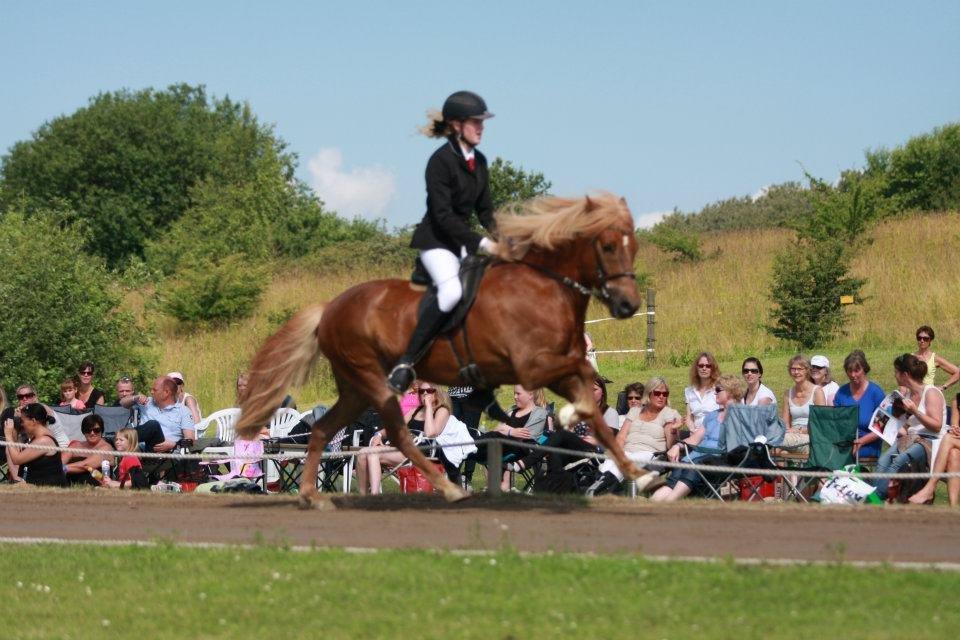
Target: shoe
[[603, 485], [401, 378]]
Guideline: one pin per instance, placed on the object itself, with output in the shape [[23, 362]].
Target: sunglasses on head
[[24, 396], [747, 370], [660, 394]]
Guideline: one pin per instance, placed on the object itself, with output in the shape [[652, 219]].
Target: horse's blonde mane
[[548, 222]]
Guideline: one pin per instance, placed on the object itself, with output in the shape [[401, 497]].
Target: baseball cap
[[819, 361], [176, 375]]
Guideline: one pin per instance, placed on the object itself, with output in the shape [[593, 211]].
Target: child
[[68, 395], [130, 471]]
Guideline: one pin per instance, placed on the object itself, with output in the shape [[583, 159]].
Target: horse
[[525, 327]]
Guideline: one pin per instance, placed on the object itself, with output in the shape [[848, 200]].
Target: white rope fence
[[636, 315], [336, 455]]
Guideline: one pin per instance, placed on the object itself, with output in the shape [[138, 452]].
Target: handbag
[[412, 479], [848, 490]]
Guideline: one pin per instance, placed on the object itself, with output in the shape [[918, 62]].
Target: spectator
[[68, 395], [925, 336], [242, 380], [591, 352], [130, 470], [820, 371], [681, 482], [925, 419], [37, 467], [163, 420], [866, 396], [26, 395], [77, 467], [633, 398], [645, 432], [756, 393], [125, 389], [411, 399], [796, 410], [86, 392], [529, 408], [699, 396], [429, 417], [186, 399], [948, 458]]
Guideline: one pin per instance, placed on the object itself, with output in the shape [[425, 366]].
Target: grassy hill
[[719, 304]]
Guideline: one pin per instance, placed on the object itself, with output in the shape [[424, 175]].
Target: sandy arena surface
[[766, 531]]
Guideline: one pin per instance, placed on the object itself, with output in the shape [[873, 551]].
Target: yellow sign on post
[[846, 299]]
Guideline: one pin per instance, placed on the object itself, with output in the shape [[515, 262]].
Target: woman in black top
[[37, 467], [458, 185], [86, 392]]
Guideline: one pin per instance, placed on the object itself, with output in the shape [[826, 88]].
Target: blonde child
[[130, 474]]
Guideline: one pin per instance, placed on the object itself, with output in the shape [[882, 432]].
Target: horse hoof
[[566, 415], [631, 471], [453, 493], [313, 502]]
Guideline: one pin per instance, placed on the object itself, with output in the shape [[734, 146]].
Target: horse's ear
[[623, 201], [591, 205]]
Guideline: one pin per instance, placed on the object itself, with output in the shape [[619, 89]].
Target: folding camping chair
[[832, 432], [114, 419]]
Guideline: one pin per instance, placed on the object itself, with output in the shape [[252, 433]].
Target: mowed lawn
[[268, 592]]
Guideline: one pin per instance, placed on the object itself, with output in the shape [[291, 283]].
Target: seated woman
[[924, 420], [796, 410], [864, 394], [948, 455], [645, 432], [820, 372], [699, 396], [681, 482], [633, 393], [37, 467], [186, 398], [756, 393], [430, 417], [77, 467], [130, 471], [86, 392], [575, 438], [68, 395], [925, 337]]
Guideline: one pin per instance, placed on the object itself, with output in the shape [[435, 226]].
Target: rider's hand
[[491, 247]]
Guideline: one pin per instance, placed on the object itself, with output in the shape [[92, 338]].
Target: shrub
[[214, 292], [684, 246]]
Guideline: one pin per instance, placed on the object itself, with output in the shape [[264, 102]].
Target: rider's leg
[[444, 268]]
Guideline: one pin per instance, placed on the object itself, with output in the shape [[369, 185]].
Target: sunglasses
[[88, 372], [422, 391], [705, 366], [747, 370], [24, 396], [660, 394], [816, 368], [924, 338], [634, 398], [97, 431], [717, 389]]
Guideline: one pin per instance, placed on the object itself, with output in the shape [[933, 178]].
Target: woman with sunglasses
[[933, 361], [77, 467], [699, 396], [37, 467], [429, 416], [820, 372], [650, 428], [86, 392], [682, 482], [757, 393], [800, 397]]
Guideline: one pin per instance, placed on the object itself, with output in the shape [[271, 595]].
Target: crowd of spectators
[[647, 427]]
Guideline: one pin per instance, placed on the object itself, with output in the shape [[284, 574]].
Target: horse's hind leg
[[578, 389], [345, 410]]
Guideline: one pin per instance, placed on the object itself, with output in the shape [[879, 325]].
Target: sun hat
[[820, 361]]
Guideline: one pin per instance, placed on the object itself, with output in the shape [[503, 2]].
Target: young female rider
[[457, 186]]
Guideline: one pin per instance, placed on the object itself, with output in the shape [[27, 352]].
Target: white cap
[[819, 361], [176, 375]]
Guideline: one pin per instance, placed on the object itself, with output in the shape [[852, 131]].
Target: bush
[[684, 246], [214, 292], [61, 309]]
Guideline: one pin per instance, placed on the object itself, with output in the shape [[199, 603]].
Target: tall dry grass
[[720, 304]]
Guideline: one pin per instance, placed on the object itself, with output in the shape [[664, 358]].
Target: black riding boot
[[428, 325]]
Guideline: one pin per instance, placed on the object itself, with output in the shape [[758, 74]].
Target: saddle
[[472, 269]]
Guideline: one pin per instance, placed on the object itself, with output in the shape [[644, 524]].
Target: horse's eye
[[609, 248]]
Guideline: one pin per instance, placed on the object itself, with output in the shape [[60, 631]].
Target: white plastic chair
[[225, 419], [283, 421]]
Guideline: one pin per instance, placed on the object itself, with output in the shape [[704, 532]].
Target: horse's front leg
[[578, 389], [344, 411]]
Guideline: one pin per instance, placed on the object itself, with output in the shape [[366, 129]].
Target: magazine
[[887, 418]]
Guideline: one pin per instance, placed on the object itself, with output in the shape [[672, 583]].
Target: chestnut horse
[[525, 327]]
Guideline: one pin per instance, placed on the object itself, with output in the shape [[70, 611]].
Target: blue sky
[[670, 104]]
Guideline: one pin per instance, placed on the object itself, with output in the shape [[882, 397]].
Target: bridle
[[600, 292]]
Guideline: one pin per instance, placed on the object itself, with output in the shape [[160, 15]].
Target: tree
[[512, 184], [61, 308], [128, 163]]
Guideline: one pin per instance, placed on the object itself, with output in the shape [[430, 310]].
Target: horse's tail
[[284, 360]]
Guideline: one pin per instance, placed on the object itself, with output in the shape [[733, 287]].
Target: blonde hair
[[549, 221], [441, 396], [130, 434], [436, 126], [802, 361], [733, 385], [539, 397], [653, 384]]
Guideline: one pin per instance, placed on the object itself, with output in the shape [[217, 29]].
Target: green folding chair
[[832, 432]]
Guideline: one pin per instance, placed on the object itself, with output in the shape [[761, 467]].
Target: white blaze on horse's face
[[626, 241]]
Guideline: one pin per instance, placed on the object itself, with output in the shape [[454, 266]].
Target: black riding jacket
[[453, 193]]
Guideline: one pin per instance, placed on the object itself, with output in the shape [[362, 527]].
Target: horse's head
[[614, 250]]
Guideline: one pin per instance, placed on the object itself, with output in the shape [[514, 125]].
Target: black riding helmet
[[465, 104]]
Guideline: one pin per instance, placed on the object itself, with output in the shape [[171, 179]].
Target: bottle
[[105, 468]]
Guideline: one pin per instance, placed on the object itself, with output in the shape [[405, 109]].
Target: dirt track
[[801, 532]]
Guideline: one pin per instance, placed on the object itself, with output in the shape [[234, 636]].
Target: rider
[[458, 184]]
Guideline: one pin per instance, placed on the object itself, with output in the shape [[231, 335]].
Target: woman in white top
[[646, 431], [757, 393], [796, 410], [924, 420], [820, 372], [700, 396]]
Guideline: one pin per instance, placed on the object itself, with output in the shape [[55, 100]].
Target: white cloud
[[361, 191], [647, 220]]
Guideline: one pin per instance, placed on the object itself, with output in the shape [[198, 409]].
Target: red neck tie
[[472, 164]]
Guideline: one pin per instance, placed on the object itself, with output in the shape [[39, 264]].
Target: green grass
[[171, 592]]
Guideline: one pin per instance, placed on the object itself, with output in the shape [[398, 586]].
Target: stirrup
[[401, 377]]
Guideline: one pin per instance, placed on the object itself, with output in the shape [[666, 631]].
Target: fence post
[[494, 466], [651, 321]]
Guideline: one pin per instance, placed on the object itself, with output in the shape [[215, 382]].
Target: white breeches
[[641, 457], [444, 269]]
